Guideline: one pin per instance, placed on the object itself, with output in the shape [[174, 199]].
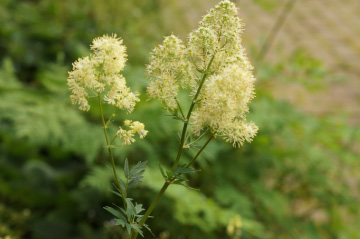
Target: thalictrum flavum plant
[[211, 68]]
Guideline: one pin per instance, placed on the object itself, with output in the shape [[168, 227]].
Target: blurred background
[[298, 179]]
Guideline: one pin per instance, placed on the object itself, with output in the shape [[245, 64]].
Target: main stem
[[182, 139], [181, 147], [110, 152]]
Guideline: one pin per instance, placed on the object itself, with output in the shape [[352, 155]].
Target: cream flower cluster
[[127, 136], [168, 69], [214, 65], [100, 73]]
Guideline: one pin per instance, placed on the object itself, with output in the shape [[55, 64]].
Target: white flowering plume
[[214, 66], [100, 73], [170, 68]]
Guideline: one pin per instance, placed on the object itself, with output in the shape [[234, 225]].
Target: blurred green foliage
[[298, 179], [304, 70], [268, 5]]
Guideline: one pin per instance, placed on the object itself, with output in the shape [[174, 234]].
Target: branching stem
[[110, 152], [181, 147], [199, 152]]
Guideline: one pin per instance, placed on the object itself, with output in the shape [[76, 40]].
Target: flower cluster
[[214, 65], [100, 73], [127, 136], [168, 69]]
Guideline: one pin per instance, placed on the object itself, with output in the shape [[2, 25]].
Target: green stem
[[199, 152], [110, 152], [182, 139], [197, 139], [112, 141], [112, 115], [151, 208], [182, 114], [162, 191]]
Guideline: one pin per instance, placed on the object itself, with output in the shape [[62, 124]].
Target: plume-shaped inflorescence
[[214, 66], [99, 75], [100, 72]]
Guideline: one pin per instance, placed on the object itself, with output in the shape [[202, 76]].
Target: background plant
[[299, 172]]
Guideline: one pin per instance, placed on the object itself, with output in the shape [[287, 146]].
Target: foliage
[[13, 222], [130, 216], [304, 70], [267, 5], [298, 179]]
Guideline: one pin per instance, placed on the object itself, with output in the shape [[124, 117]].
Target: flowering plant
[[212, 67], [99, 76]]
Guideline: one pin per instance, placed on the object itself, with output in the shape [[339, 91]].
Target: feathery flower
[[169, 70], [100, 73], [214, 65]]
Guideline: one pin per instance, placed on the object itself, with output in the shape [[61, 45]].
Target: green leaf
[[139, 173], [188, 139], [116, 213], [116, 193], [169, 174], [194, 146], [126, 168], [184, 169], [137, 228], [182, 183], [128, 228], [134, 181], [109, 167], [177, 176], [130, 210], [179, 118], [139, 166], [139, 208], [162, 172], [148, 228], [121, 222], [123, 187], [138, 218]]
